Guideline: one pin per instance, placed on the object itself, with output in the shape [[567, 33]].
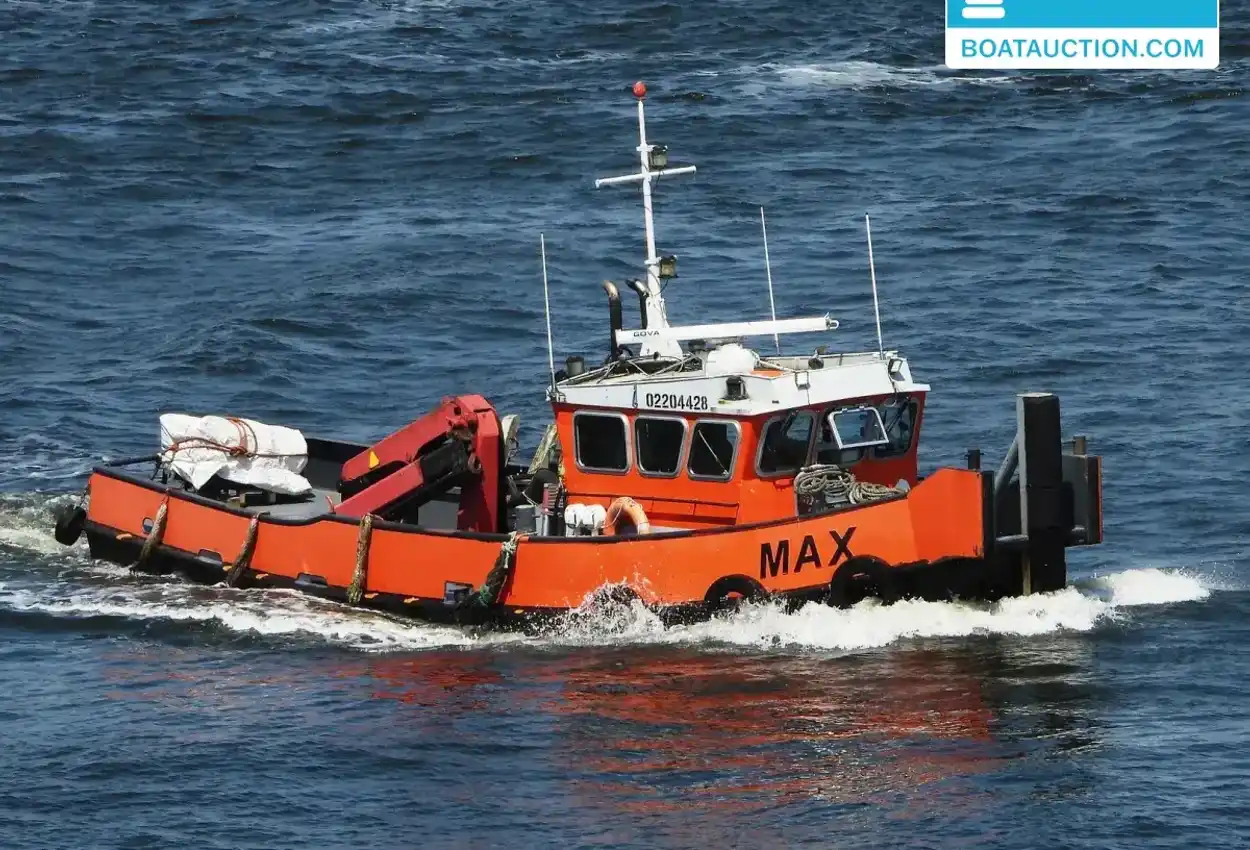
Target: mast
[[654, 164]]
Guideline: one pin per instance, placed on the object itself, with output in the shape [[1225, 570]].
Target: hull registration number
[[676, 401]]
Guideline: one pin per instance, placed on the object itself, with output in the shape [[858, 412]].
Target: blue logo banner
[[1083, 34], [1083, 13]]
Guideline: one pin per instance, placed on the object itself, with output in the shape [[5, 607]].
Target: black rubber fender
[[728, 589], [859, 578], [617, 594], [70, 520]]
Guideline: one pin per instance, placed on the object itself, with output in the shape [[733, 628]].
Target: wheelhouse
[[726, 450], [701, 430]]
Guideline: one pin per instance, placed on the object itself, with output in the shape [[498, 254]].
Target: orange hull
[[906, 542]]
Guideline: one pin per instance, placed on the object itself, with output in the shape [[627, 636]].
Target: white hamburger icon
[[984, 10]]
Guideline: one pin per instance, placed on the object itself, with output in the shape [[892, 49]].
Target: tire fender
[[726, 588], [70, 521], [859, 578]]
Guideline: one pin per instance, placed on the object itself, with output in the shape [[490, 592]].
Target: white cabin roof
[[697, 383], [722, 376]]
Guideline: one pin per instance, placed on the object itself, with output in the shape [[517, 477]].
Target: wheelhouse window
[[785, 443], [713, 450], [658, 443], [600, 442], [899, 418], [828, 451], [857, 428], [847, 434]]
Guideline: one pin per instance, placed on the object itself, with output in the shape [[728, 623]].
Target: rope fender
[[154, 536], [488, 595], [356, 591], [244, 560]]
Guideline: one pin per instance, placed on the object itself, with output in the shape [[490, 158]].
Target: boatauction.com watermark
[[1083, 34]]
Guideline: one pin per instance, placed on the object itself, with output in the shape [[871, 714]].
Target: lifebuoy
[[631, 509]]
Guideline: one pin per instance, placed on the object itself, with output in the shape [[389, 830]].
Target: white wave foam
[[859, 74], [26, 523], [1153, 586], [29, 539], [272, 613], [765, 626], [870, 625]]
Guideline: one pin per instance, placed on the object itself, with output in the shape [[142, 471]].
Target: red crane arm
[[457, 442]]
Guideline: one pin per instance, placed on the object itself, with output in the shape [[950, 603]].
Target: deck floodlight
[[668, 267], [657, 157]]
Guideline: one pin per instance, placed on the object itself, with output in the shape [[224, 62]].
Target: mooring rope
[[489, 593], [839, 486], [155, 535], [356, 591], [244, 560]]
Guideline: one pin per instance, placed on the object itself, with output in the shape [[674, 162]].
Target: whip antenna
[[872, 269], [551, 354], [768, 269]]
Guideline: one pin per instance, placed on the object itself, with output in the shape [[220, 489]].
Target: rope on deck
[[489, 593], [155, 535], [244, 560], [357, 590], [839, 487]]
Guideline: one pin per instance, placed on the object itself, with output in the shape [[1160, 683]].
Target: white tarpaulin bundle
[[244, 451]]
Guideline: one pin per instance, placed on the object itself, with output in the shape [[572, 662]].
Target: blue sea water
[[327, 214]]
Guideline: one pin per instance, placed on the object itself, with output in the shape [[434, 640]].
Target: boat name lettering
[[775, 558], [676, 401]]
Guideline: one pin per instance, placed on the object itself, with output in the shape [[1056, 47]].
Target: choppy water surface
[[327, 214]]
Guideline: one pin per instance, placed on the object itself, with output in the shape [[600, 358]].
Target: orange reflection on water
[[650, 731]]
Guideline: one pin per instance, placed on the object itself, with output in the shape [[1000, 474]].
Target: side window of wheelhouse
[[784, 447], [713, 450], [600, 442], [658, 443], [899, 419]]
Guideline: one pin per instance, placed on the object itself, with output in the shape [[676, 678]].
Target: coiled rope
[[839, 486]]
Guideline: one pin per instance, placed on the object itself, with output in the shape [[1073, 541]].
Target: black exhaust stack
[[614, 318], [641, 289]]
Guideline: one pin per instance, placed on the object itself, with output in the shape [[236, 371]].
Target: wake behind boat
[[687, 470]]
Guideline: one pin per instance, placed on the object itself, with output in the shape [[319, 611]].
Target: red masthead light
[[640, 90]]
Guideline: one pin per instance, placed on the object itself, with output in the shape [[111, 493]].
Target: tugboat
[[687, 471]]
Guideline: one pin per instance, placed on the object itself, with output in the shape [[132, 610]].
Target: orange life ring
[[631, 509]]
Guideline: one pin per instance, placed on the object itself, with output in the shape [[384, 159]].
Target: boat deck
[[439, 513]]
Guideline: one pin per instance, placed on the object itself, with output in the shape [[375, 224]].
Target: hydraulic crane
[[457, 443]]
